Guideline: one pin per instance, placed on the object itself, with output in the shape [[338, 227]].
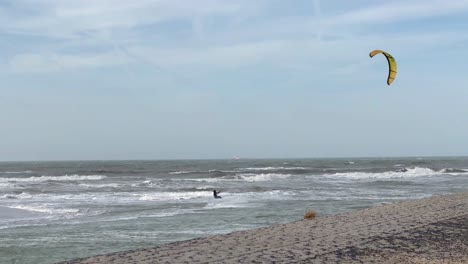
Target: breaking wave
[[17, 172], [404, 173], [263, 177], [169, 196], [55, 178], [274, 168], [45, 209]]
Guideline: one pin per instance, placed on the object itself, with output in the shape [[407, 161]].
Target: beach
[[429, 230], [82, 209]]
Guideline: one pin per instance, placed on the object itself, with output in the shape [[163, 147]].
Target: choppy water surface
[[53, 211]]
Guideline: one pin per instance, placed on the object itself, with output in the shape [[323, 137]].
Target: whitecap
[[16, 196], [263, 177], [55, 178], [407, 173], [168, 196], [273, 168], [17, 172], [45, 209]]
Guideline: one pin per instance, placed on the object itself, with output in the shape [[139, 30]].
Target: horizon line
[[246, 158]]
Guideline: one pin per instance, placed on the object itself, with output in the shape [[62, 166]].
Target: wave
[[238, 202], [247, 199], [205, 187], [403, 173], [16, 172], [176, 196], [147, 183], [263, 177], [273, 168], [6, 185], [183, 172], [228, 198], [99, 186], [45, 209], [249, 177], [16, 196], [450, 171], [240, 170], [70, 197], [106, 171], [213, 171], [55, 178], [223, 171], [208, 180], [167, 213]]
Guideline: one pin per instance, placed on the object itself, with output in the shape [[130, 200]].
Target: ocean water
[[55, 211]]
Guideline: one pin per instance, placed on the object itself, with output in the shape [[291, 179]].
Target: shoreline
[[428, 230]]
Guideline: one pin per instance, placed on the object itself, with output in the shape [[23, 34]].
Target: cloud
[[283, 41], [307, 54], [56, 18], [50, 62], [286, 51], [82, 19], [398, 11]]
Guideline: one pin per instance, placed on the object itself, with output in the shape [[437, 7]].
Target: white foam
[[6, 185], [147, 183], [226, 204], [55, 178], [99, 186], [263, 177], [45, 209], [274, 168], [182, 172], [225, 171], [209, 180], [16, 196], [78, 197], [172, 196], [248, 199], [16, 172], [409, 173], [169, 213], [229, 201], [209, 171], [250, 177], [204, 187], [455, 171]]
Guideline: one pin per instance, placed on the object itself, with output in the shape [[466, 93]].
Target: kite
[[392, 67]]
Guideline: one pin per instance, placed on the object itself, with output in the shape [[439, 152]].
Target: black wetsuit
[[215, 194]]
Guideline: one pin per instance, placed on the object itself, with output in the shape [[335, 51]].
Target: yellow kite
[[392, 68]]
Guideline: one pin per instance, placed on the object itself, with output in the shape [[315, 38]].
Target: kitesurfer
[[215, 194]]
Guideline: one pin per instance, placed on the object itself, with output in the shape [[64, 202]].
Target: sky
[[214, 79]]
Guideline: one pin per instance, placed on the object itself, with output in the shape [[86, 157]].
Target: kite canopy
[[392, 67]]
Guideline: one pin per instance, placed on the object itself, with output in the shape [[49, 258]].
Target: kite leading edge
[[392, 67]]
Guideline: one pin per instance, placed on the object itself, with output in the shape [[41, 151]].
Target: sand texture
[[431, 230]]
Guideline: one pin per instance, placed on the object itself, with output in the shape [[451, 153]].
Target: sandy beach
[[431, 230]]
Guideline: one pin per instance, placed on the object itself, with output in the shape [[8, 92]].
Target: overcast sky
[[176, 79]]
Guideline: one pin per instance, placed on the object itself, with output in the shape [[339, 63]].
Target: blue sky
[[173, 79]]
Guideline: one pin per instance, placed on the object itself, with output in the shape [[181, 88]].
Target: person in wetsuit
[[215, 194]]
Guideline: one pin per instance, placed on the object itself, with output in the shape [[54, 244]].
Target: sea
[[57, 211]]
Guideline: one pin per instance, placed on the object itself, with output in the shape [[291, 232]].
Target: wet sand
[[431, 230]]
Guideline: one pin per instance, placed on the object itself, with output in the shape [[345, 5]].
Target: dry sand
[[432, 230]]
